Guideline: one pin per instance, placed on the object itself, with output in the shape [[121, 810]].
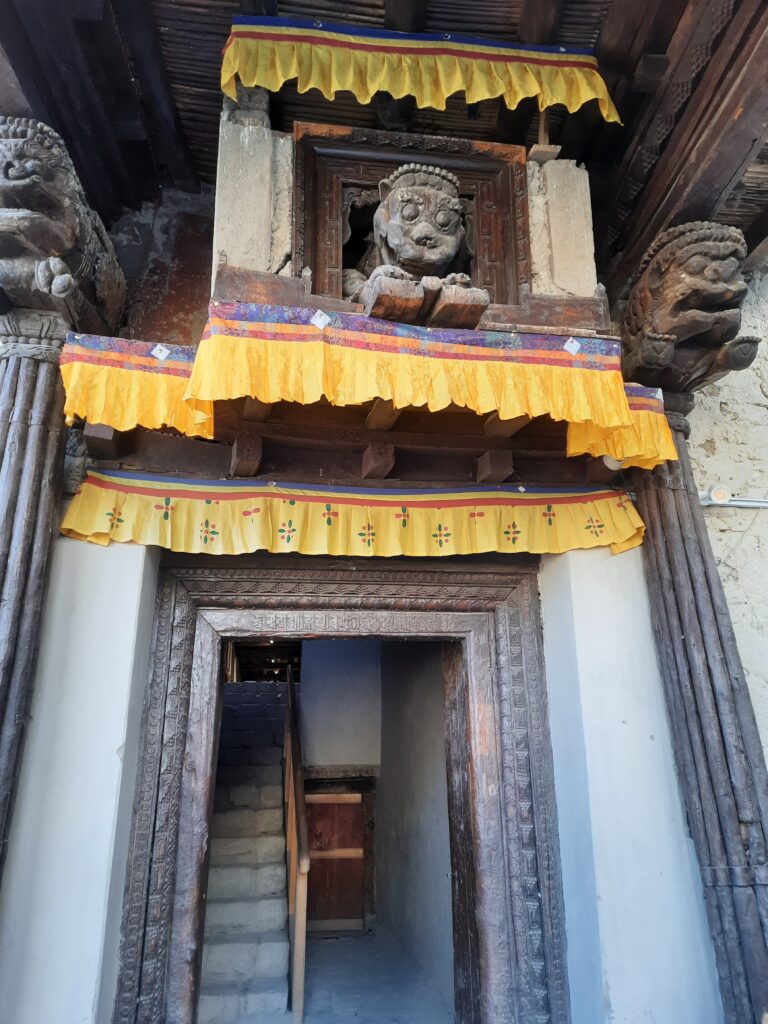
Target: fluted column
[[31, 440], [719, 756]]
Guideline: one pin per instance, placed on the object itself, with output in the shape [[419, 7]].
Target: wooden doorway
[[509, 900]]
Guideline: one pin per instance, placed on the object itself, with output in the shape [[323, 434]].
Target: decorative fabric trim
[[234, 517], [645, 444], [283, 353], [330, 57], [124, 384]]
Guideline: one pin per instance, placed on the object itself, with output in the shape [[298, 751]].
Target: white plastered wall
[[729, 445], [61, 897], [639, 947]]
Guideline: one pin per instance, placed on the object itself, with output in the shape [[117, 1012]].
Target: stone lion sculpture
[[55, 253], [419, 231], [679, 329]]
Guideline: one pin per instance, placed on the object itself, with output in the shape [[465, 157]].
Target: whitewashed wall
[[729, 445], [638, 940], [61, 898]]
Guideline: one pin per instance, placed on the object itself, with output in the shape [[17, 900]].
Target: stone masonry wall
[[729, 445]]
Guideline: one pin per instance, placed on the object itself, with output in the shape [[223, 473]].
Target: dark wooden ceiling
[[133, 87]]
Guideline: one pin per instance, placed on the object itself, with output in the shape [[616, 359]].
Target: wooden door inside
[[336, 892]]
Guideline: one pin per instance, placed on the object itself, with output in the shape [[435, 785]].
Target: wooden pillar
[[31, 437], [719, 756]]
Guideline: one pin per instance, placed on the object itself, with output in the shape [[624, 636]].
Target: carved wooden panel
[[491, 607], [493, 181]]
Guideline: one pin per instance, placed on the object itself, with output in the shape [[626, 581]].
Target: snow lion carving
[[680, 326], [55, 253]]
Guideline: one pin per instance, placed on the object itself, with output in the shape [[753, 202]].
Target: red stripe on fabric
[[570, 60], [397, 502], [499, 356], [646, 405], [169, 371]]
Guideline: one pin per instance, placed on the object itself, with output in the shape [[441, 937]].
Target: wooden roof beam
[[137, 27], [405, 15], [719, 135], [757, 243], [539, 21]]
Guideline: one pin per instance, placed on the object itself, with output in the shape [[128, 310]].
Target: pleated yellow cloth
[[234, 517], [362, 60], [291, 354], [646, 443], [124, 384]]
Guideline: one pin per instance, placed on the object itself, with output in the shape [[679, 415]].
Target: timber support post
[[58, 271], [31, 440], [719, 756]]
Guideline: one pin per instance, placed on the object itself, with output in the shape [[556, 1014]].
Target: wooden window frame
[[329, 158]]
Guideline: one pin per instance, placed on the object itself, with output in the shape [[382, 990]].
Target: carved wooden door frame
[[490, 608]]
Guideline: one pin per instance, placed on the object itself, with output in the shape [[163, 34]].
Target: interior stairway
[[245, 950]]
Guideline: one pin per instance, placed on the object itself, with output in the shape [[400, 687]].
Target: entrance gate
[[509, 935]]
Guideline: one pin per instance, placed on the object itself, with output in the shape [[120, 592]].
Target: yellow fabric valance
[[645, 443], [292, 354], [124, 384], [238, 516], [267, 52]]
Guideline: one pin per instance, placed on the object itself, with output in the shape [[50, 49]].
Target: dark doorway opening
[[374, 725]]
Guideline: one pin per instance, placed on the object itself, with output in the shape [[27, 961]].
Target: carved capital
[[677, 406], [32, 334], [680, 327]]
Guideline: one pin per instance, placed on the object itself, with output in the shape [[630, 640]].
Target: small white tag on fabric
[[572, 346], [320, 319], [160, 352]]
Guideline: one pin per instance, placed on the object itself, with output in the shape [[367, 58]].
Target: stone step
[[260, 774], [248, 794], [229, 919], [221, 1004], [247, 850], [247, 822], [238, 962], [243, 881]]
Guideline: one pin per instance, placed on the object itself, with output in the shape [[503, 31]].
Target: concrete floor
[[368, 979]]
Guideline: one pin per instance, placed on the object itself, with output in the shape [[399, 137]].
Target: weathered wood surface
[[326, 444], [717, 746], [31, 443], [194, 816], [488, 609], [539, 313], [466, 946]]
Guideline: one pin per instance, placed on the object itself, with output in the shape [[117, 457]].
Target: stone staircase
[[245, 950]]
